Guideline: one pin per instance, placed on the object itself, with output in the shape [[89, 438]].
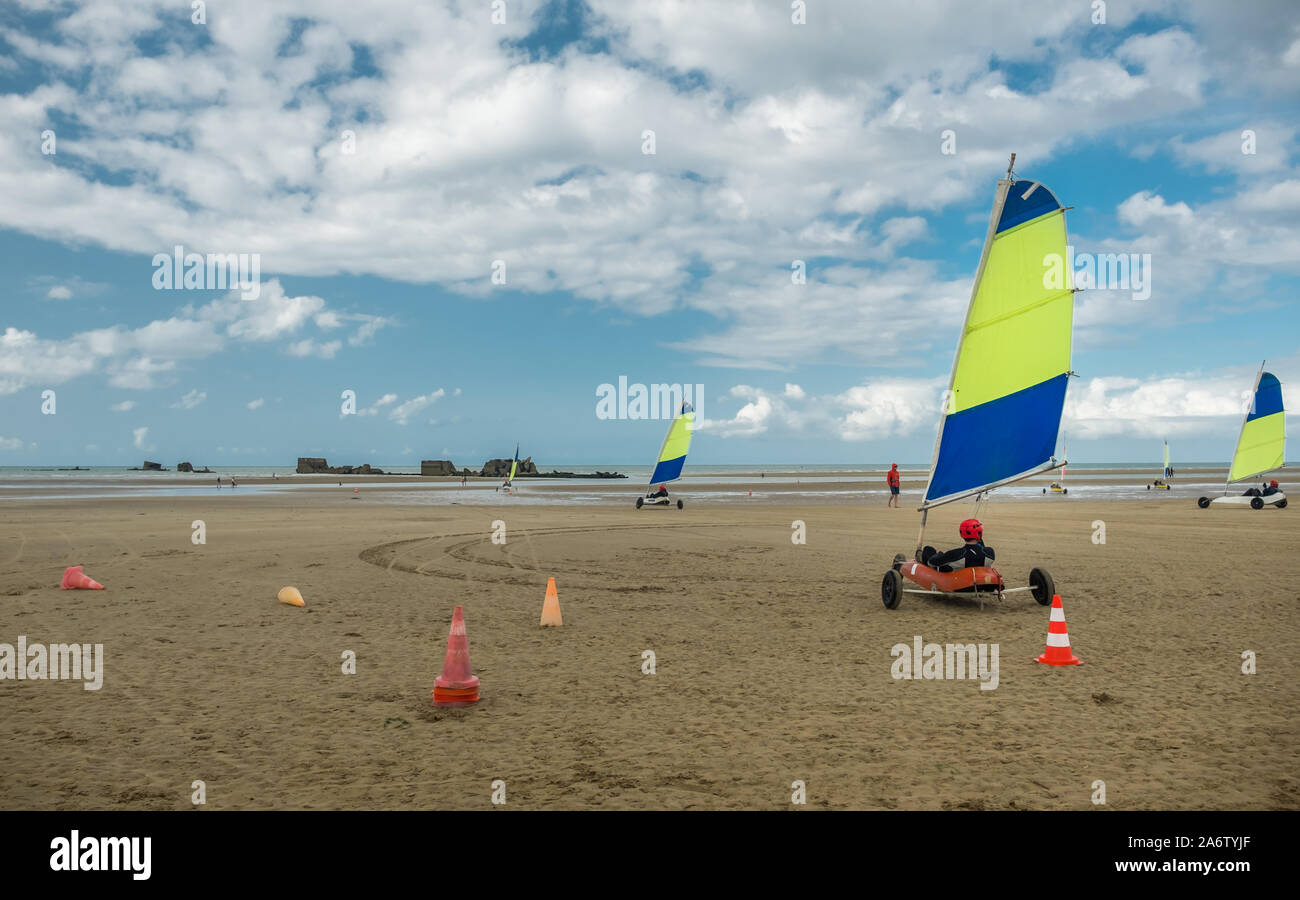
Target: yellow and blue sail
[[1262, 443], [514, 466], [1013, 360], [672, 455]]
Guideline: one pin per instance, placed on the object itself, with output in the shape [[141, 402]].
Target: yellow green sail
[[1261, 446], [672, 455], [1013, 359]]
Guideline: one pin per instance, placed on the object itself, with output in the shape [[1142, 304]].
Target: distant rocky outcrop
[[495, 468], [151, 466], [184, 467], [500, 468], [318, 465]]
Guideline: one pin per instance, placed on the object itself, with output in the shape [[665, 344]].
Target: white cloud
[[124, 406], [139, 373], [271, 316], [59, 292], [1273, 145], [1157, 406], [792, 142], [256, 404], [385, 400], [369, 327], [10, 443], [312, 347], [190, 400], [774, 143], [404, 411], [139, 436], [880, 408]]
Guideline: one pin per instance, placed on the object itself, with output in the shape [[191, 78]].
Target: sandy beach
[[772, 659]]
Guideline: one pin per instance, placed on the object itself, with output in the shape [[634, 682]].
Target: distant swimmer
[[893, 480], [971, 553]]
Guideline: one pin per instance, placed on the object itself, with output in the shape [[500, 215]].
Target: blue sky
[[523, 141]]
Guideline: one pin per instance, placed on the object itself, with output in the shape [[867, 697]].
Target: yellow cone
[[551, 605], [291, 596]]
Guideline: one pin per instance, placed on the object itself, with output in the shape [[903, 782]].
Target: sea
[[828, 483]]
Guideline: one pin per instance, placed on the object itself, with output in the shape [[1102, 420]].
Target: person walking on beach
[[893, 480]]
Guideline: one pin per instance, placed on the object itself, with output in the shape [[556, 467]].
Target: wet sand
[[773, 659]]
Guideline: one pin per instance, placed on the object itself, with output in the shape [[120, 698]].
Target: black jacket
[[962, 557]]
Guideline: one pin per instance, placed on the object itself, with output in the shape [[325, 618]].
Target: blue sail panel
[[1268, 397], [668, 470], [1020, 208], [998, 440]]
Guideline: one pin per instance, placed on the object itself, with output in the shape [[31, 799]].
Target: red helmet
[[971, 530], [1273, 483]]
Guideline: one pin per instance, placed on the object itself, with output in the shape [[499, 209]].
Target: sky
[[472, 215]]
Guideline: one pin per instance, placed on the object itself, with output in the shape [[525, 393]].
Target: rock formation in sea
[[318, 465], [500, 468]]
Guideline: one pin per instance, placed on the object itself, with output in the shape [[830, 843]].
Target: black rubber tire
[[1281, 504], [1065, 490], [1042, 586], [680, 504], [1044, 490], [1203, 503], [891, 589], [640, 502], [1256, 503]]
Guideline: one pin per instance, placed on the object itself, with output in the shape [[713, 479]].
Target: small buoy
[[291, 596]]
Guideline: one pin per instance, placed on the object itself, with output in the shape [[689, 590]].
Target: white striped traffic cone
[[1057, 652]]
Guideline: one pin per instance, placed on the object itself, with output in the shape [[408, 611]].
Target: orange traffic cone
[[74, 578], [456, 686], [292, 596], [551, 605], [1057, 652]]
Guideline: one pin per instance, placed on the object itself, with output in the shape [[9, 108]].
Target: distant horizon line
[[1139, 464]]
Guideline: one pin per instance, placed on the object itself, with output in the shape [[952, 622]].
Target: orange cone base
[[445, 696], [1064, 658]]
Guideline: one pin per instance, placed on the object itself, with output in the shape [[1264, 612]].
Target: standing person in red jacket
[[893, 480]]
